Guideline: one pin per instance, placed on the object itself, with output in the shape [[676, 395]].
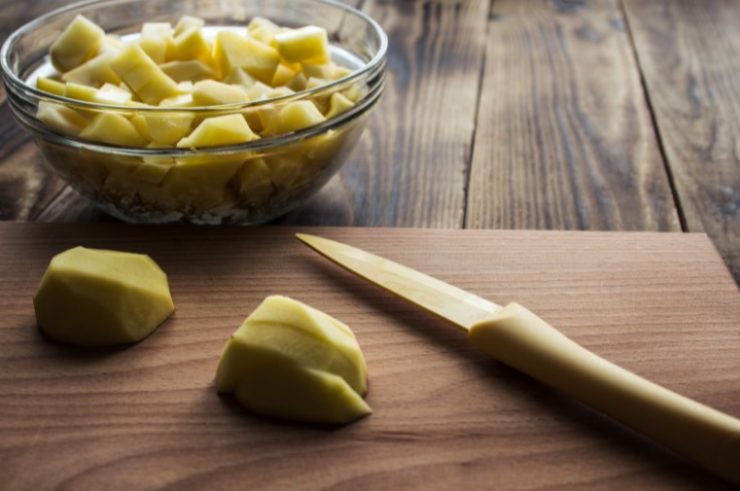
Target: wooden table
[[561, 114]]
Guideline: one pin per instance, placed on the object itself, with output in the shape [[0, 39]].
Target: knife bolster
[[522, 340]]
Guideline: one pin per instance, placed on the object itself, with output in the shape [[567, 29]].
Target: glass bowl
[[247, 183]]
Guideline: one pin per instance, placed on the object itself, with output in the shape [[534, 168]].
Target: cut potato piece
[[220, 130], [192, 45], [255, 185], [292, 361], [199, 183], [80, 92], [188, 71], [95, 72], [298, 115], [143, 76], [156, 29], [234, 51], [51, 86], [212, 93], [61, 118], [263, 30], [168, 129], [305, 45], [92, 297], [155, 46], [112, 94], [152, 172], [237, 76], [113, 129], [76, 44], [187, 22], [338, 104]]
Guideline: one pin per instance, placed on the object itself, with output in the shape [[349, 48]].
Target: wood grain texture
[[445, 417], [688, 52], [564, 138], [410, 167]]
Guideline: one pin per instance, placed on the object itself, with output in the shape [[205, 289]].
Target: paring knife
[[515, 336]]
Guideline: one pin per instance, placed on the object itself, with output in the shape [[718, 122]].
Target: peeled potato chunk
[[292, 361], [78, 43], [306, 45], [143, 76], [234, 51], [219, 130], [92, 297], [297, 115]]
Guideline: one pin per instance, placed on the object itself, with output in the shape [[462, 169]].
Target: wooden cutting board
[[445, 416]]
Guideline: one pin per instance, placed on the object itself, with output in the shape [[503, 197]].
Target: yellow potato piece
[[155, 46], [298, 115], [156, 29], [152, 172], [168, 129], [283, 75], [187, 22], [307, 44], [92, 297], [219, 130], [61, 118], [199, 183], [255, 184], [112, 94], [95, 72], [338, 104], [80, 92], [182, 100], [113, 129], [78, 43], [189, 70], [263, 30], [212, 93], [292, 361], [143, 76], [192, 45], [234, 51], [51, 86]]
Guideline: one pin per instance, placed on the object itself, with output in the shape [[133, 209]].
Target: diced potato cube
[[283, 75], [182, 100], [191, 45], [338, 104], [255, 185], [200, 184], [50, 85], [354, 93], [152, 172], [139, 122], [314, 82], [234, 51], [112, 44], [143, 76], [61, 118], [189, 70], [186, 22], [113, 129], [258, 91], [237, 76], [220, 130], [155, 47], [263, 30], [80, 92], [112, 94], [212, 93], [279, 92], [284, 170], [305, 45], [324, 71], [298, 115], [298, 83], [341, 72], [78, 43], [169, 128], [269, 118], [186, 87], [95, 72]]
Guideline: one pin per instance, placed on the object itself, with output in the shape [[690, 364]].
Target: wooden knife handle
[[522, 340]]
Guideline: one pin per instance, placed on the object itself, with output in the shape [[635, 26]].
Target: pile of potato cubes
[[183, 67]]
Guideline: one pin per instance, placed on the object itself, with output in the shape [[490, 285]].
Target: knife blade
[[514, 335]]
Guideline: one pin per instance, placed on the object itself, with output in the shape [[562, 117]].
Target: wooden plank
[[564, 138], [445, 416], [688, 52]]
